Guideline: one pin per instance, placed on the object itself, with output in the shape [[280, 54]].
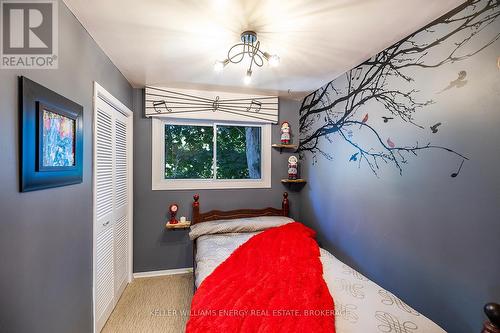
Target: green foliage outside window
[[189, 152], [238, 152]]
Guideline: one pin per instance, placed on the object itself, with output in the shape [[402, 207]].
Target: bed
[[360, 304]]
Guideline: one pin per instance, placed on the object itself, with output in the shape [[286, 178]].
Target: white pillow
[[249, 224]]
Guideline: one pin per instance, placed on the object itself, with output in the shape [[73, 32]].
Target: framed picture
[[51, 132]]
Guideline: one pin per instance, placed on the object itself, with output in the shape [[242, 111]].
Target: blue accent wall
[[385, 194], [46, 236]]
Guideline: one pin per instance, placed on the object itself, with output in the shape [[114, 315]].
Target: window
[[210, 155], [189, 152]]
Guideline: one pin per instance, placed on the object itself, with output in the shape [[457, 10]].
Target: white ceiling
[[175, 42]]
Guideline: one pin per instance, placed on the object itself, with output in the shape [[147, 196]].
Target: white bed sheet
[[361, 305]]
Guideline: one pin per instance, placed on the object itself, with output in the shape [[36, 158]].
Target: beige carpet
[[157, 304]]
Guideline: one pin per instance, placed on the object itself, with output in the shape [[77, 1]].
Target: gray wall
[[46, 236], [156, 248], [425, 236]]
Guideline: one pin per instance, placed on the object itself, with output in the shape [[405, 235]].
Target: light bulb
[[219, 4], [248, 78], [219, 66], [274, 60]]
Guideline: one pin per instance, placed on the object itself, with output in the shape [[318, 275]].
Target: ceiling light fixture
[[250, 47]]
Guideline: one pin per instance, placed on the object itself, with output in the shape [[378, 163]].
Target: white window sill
[[209, 184]]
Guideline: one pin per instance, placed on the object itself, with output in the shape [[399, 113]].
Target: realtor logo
[[29, 34]]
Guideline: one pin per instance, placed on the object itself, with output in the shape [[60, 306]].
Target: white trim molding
[[176, 271], [99, 91], [159, 183]]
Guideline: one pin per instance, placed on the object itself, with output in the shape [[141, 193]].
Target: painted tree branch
[[331, 111], [390, 154]]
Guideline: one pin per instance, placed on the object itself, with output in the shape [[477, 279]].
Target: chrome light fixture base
[[248, 36]]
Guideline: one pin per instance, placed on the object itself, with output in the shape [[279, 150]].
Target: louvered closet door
[[120, 205], [111, 209], [104, 223]]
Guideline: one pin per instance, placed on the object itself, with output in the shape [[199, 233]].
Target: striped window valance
[[210, 105]]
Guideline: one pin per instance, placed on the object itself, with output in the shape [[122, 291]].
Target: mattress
[[360, 304]]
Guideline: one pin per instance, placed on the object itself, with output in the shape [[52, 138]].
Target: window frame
[[159, 183]]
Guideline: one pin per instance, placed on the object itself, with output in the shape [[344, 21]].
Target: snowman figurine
[[285, 133], [293, 168]]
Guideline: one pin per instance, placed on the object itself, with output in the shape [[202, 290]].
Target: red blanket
[[272, 283]]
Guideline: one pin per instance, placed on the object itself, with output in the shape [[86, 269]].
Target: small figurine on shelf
[[173, 212], [285, 133], [293, 168]]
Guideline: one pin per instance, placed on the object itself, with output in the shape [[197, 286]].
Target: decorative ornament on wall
[[388, 81], [210, 105], [293, 167], [285, 133]]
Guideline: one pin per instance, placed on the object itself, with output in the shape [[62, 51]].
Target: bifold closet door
[[111, 209], [104, 214], [121, 208]]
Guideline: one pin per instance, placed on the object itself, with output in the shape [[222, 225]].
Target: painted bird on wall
[[390, 143], [434, 128], [365, 119], [458, 83]]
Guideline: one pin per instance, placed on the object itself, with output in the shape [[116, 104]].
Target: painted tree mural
[[334, 113]]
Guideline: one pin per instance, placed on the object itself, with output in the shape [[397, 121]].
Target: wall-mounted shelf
[[293, 181], [281, 147], [180, 225]]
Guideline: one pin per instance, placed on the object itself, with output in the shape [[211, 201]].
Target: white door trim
[[103, 94]]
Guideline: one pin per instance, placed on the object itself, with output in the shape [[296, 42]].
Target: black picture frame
[[33, 100]]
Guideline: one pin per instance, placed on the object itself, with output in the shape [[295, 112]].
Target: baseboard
[[163, 272]]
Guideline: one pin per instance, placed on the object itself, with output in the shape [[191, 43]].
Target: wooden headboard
[[237, 213]]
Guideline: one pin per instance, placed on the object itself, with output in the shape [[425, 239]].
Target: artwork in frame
[[57, 138], [51, 138]]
